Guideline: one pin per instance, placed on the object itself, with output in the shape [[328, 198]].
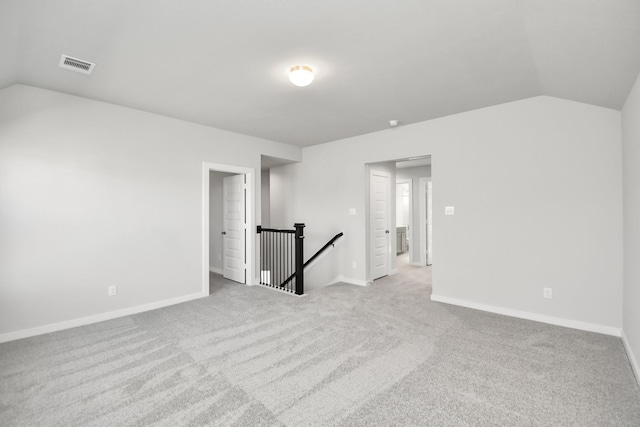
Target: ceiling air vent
[[75, 64]]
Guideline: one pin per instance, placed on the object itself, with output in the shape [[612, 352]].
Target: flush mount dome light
[[301, 75]]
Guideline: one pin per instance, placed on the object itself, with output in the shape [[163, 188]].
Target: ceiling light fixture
[[301, 75]]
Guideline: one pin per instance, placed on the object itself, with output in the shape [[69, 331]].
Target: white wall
[[530, 212], [216, 226], [8, 42], [631, 174], [279, 188], [414, 174], [92, 195]]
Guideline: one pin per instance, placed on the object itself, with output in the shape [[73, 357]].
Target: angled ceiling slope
[[224, 63], [8, 43]]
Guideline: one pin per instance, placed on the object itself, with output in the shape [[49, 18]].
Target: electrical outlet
[[353, 265], [547, 293], [113, 290], [449, 210]]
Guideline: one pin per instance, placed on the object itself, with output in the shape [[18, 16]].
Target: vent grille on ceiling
[[74, 64]]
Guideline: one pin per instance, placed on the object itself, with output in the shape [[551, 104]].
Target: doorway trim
[[250, 222], [422, 195], [426, 222]]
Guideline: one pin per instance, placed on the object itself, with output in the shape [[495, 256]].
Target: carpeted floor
[[343, 355]]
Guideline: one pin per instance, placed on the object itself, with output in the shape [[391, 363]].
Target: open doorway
[[413, 207], [404, 219], [228, 200], [398, 227]]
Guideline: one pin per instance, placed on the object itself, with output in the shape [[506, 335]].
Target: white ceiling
[[223, 63]]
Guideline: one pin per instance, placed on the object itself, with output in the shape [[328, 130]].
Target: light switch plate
[[352, 211]]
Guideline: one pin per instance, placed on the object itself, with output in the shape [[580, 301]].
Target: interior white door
[[379, 211], [429, 224], [234, 229]]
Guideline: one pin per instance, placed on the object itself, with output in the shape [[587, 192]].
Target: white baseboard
[[349, 281], [632, 358], [82, 321], [591, 327], [271, 288], [215, 270]]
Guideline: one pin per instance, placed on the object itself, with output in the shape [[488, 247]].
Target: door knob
[[224, 232]]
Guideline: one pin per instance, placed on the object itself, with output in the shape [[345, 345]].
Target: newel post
[[299, 248]]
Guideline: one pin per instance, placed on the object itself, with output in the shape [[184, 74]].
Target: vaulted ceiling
[[224, 63]]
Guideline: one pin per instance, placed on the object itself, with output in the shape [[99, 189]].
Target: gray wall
[[92, 195], [266, 198], [631, 171], [8, 41], [279, 188], [414, 174], [530, 212], [215, 219]]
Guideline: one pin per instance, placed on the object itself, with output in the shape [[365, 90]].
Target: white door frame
[[426, 222], [422, 200], [429, 222], [250, 239]]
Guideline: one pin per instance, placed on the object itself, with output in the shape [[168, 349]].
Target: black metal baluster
[[270, 258], [261, 252], [299, 258], [289, 263]]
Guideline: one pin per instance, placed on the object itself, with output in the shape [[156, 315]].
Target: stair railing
[[281, 258], [281, 255]]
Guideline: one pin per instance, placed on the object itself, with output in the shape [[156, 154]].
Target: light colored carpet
[[343, 355]]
